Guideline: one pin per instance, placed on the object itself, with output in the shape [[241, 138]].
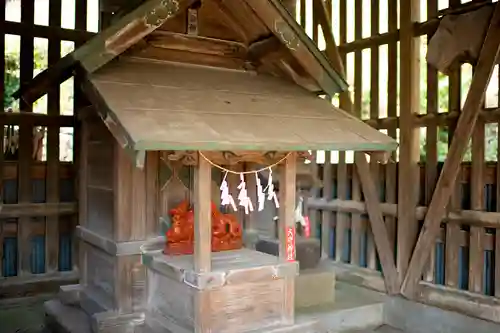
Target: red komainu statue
[[226, 231]]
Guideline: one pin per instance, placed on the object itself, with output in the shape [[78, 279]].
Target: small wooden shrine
[[183, 93]]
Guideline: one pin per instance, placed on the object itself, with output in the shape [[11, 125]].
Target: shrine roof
[[153, 105], [259, 20]]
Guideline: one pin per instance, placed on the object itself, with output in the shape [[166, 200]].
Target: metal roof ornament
[[159, 15]]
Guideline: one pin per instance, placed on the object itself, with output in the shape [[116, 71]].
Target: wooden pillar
[[326, 216], [202, 217], [286, 224], [409, 150], [287, 201]]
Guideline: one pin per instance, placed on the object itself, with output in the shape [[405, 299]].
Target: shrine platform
[[355, 310]]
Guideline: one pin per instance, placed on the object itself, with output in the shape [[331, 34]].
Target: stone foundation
[[314, 287]]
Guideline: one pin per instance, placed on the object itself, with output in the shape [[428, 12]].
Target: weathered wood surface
[[203, 217], [284, 26], [228, 267], [458, 38], [245, 290], [100, 284], [113, 190], [116, 221], [98, 192], [176, 116], [448, 176], [232, 157], [111, 282]]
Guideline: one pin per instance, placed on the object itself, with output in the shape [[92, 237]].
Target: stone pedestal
[[314, 287], [308, 250], [245, 291], [111, 295]]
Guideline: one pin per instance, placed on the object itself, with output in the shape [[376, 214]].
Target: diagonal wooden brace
[[449, 173], [380, 234]]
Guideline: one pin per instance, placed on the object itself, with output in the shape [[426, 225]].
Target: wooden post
[[380, 234], [25, 189], [202, 217], [326, 216], [287, 222], [287, 201], [409, 151], [463, 132]]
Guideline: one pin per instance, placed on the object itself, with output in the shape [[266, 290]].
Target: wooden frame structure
[[465, 228], [176, 106]]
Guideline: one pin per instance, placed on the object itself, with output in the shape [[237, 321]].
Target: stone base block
[[308, 250], [69, 294], [250, 238], [314, 287], [64, 318]]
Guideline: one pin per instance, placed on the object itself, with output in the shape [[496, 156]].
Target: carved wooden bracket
[[232, 157]]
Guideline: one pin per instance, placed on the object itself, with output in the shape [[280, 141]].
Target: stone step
[[301, 327], [376, 329], [61, 318]]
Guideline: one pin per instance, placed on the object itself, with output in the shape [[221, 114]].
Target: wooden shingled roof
[[170, 106], [263, 28], [258, 91]]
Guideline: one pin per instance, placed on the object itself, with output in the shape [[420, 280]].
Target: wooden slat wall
[[42, 225], [464, 255]]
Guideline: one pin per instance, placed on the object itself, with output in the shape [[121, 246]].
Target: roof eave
[[230, 146]]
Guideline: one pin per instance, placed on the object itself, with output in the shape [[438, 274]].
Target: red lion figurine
[[226, 231]]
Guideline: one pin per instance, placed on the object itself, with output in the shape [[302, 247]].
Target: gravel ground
[[24, 315]]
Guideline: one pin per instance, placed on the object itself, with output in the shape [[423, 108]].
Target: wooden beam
[[228, 19], [37, 209], [264, 47], [36, 119], [449, 173], [379, 229], [127, 31], [469, 217], [286, 213], [158, 53], [202, 217], [196, 44], [461, 301], [284, 26], [46, 31], [380, 234], [16, 287]]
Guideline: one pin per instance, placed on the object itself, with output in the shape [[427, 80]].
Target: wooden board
[[248, 298], [163, 106]]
